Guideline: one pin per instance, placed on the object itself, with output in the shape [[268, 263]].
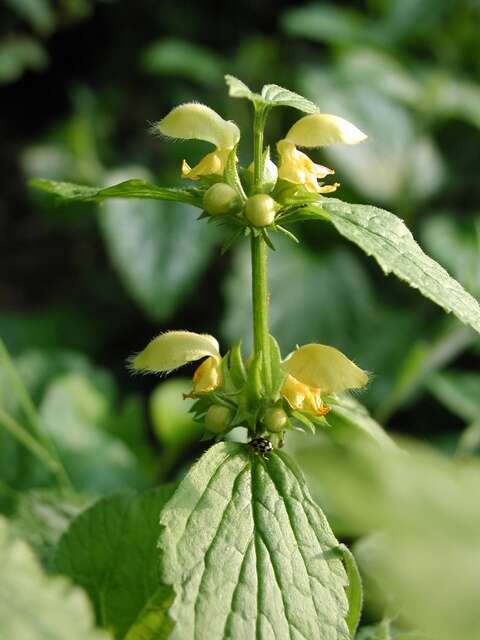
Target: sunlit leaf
[[261, 542]]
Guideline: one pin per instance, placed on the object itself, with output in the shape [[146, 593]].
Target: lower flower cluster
[[231, 392]]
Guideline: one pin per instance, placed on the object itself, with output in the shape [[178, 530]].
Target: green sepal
[[255, 390], [230, 174], [302, 418], [267, 239], [278, 374], [286, 232], [237, 368]]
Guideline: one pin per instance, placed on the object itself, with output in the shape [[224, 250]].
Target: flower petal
[[324, 368], [298, 168], [211, 164], [319, 129], [199, 122], [302, 397], [173, 349], [208, 376]]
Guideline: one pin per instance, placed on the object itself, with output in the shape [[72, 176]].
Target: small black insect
[[261, 446]]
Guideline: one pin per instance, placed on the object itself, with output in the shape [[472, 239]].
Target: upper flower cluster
[[197, 121]]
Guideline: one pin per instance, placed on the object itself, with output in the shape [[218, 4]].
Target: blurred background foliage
[[82, 287]]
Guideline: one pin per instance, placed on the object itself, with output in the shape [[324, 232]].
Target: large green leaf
[[110, 550], [158, 249], [34, 606], [385, 237], [250, 553], [135, 188]]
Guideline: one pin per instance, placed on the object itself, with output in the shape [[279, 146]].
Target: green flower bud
[[260, 210], [218, 418], [219, 199], [275, 419]]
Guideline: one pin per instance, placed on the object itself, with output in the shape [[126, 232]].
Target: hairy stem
[[261, 332]]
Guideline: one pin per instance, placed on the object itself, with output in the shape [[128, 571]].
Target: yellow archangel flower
[[314, 130], [193, 121], [313, 371]]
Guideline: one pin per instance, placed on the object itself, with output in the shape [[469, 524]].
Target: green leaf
[[158, 249], [272, 96], [110, 550], [250, 553], [34, 606], [275, 96], [43, 515], [135, 188], [385, 237]]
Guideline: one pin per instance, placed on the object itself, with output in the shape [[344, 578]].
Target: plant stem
[[261, 333]]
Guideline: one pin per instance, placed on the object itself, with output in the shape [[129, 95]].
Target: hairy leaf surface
[[250, 553]]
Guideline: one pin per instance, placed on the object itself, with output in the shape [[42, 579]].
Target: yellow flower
[[313, 371], [174, 349], [314, 130], [297, 167], [193, 121]]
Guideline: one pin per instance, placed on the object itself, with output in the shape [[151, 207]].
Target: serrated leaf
[[385, 237], [272, 96], [110, 550], [276, 96], [262, 563], [135, 188], [34, 606]]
